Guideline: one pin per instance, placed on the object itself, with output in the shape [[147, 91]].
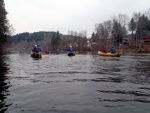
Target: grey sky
[[67, 15]]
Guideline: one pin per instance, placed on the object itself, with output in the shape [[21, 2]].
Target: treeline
[[29, 37], [53, 40], [114, 30]]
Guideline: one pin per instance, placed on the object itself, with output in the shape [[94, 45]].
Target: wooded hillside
[[50, 41]]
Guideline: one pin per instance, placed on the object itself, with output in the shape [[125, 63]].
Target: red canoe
[[46, 52]]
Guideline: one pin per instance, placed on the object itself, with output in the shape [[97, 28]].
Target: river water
[[85, 83]]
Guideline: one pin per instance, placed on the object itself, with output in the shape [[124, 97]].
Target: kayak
[[36, 55], [71, 53], [47, 52], [108, 54]]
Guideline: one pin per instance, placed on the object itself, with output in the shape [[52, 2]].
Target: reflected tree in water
[[4, 84]]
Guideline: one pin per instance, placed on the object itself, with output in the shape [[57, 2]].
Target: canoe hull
[[109, 54], [71, 53], [36, 55]]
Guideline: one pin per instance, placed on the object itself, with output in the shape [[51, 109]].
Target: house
[[144, 44], [125, 42], [147, 39]]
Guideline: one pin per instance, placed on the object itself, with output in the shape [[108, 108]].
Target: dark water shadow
[[4, 84], [140, 71]]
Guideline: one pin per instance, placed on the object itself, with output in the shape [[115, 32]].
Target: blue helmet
[[38, 45]]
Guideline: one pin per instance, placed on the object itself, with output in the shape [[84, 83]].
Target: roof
[[147, 38]]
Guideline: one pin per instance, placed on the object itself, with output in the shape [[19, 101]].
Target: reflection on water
[[85, 83], [4, 84]]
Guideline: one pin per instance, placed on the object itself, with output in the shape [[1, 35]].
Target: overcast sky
[[67, 15]]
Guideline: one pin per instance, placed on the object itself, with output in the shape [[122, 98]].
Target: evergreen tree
[[3, 24], [55, 42], [118, 32], [132, 26], [143, 26], [58, 38]]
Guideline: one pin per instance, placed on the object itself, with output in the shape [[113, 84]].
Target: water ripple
[[135, 93], [124, 100], [85, 83]]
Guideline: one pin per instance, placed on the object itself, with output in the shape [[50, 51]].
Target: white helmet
[[70, 46]]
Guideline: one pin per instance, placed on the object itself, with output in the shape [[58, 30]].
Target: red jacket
[[104, 50]]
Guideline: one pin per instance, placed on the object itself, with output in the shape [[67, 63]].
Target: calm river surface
[[84, 83]]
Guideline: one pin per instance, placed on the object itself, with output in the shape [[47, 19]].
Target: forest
[[51, 40], [115, 30], [109, 32]]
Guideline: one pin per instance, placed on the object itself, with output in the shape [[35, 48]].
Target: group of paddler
[[36, 52], [112, 52]]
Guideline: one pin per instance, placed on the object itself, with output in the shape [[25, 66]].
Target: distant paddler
[[36, 52], [113, 50], [104, 50], [71, 51]]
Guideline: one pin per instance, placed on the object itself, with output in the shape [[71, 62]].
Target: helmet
[[35, 45], [70, 46], [38, 44]]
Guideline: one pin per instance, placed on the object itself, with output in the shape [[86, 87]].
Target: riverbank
[[121, 49], [131, 49], [125, 50]]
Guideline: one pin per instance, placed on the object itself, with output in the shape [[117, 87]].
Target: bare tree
[[123, 19], [103, 30], [136, 17], [147, 13]]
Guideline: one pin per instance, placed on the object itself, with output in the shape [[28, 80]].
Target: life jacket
[[36, 50], [71, 49]]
